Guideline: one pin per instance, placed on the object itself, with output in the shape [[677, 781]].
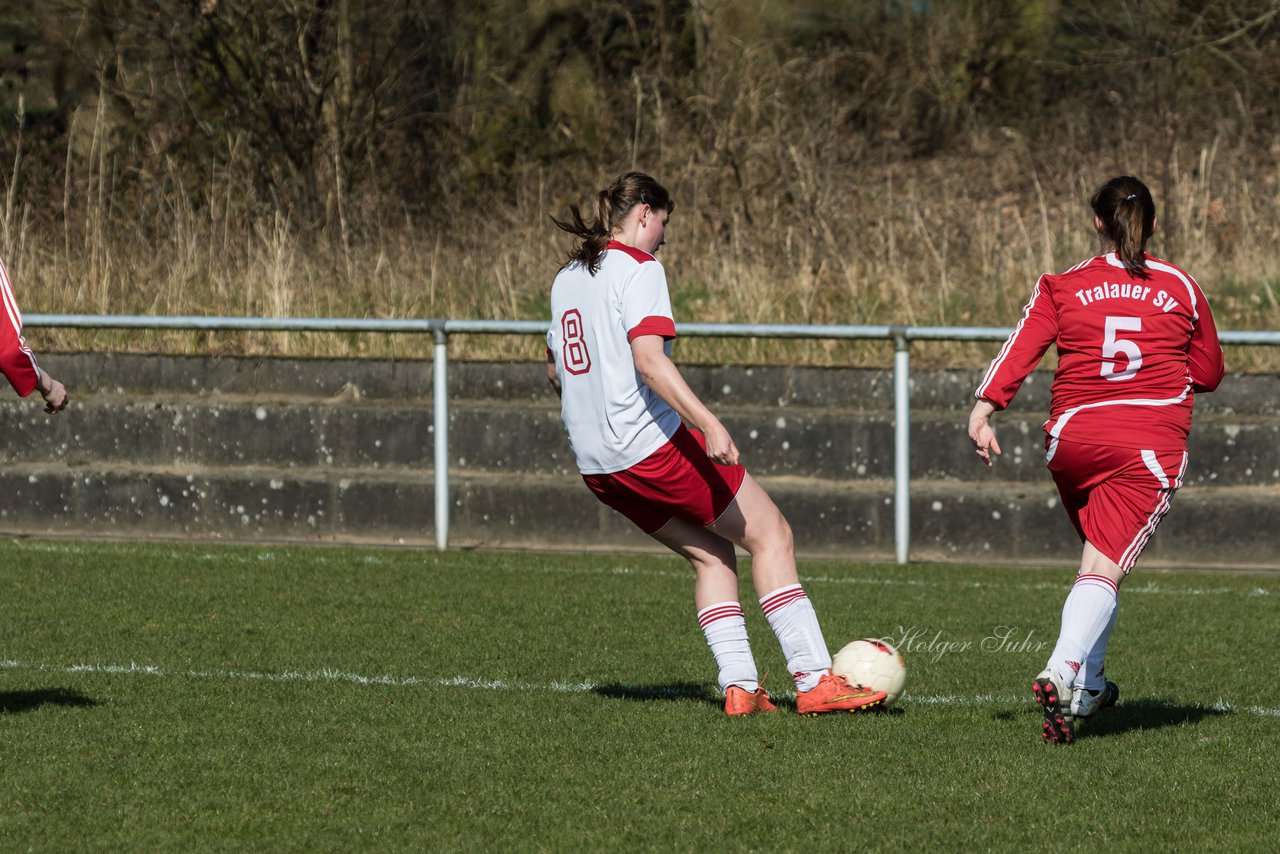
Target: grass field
[[162, 697]]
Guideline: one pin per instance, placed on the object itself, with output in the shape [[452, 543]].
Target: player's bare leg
[[754, 522], [1094, 562], [714, 561], [715, 594]]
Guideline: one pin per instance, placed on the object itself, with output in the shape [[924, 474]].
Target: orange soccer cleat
[[834, 693], [740, 701]]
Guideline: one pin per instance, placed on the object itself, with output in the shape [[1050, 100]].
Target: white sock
[[726, 632], [794, 621], [1089, 609], [1091, 674]]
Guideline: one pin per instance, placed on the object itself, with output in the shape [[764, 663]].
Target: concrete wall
[[341, 451]]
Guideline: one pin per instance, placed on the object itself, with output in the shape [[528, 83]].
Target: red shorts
[[678, 479], [1115, 496]]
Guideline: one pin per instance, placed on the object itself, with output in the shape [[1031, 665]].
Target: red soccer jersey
[[16, 361], [1132, 352]]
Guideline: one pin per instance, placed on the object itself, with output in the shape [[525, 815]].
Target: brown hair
[[613, 203], [1128, 216]]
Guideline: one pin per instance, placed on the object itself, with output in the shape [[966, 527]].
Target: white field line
[[1140, 585], [1063, 586], [469, 682]]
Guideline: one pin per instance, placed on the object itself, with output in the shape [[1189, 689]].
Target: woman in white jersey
[[623, 402]]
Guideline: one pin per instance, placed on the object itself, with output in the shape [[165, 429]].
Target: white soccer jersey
[[613, 419]]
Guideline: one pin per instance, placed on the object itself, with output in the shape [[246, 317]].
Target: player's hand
[[981, 432], [54, 394], [984, 440], [720, 447]]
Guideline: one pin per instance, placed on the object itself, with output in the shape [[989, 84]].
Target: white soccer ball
[[874, 664]]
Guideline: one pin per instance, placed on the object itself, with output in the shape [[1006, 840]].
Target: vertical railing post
[[901, 445], [440, 392]]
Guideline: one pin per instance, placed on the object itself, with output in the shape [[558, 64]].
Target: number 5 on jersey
[[1113, 347], [577, 359]]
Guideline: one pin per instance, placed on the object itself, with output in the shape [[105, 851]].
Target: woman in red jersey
[[17, 362], [623, 401], [1136, 341]]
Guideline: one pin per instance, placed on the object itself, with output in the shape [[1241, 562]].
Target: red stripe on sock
[[711, 615], [1100, 580], [775, 601]]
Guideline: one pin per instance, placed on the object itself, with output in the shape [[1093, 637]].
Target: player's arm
[[551, 372], [1205, 362], [17, 362], [1024, 349], [661, 375], [1019, 356]]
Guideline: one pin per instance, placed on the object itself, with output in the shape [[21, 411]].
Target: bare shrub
[[832, 162]]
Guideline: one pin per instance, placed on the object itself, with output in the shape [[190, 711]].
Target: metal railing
[[441, 329]]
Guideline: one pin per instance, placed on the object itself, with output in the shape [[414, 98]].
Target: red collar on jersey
[[632, 251]]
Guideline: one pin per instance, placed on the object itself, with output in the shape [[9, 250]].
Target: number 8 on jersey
[[577, 359]]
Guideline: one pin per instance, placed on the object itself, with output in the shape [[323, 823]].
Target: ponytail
[[612, 206], [592, 238], [1128, 215]]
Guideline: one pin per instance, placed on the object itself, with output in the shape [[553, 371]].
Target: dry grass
[[781, 216]]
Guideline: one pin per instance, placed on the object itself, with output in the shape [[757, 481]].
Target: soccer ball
[[873, 664]]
